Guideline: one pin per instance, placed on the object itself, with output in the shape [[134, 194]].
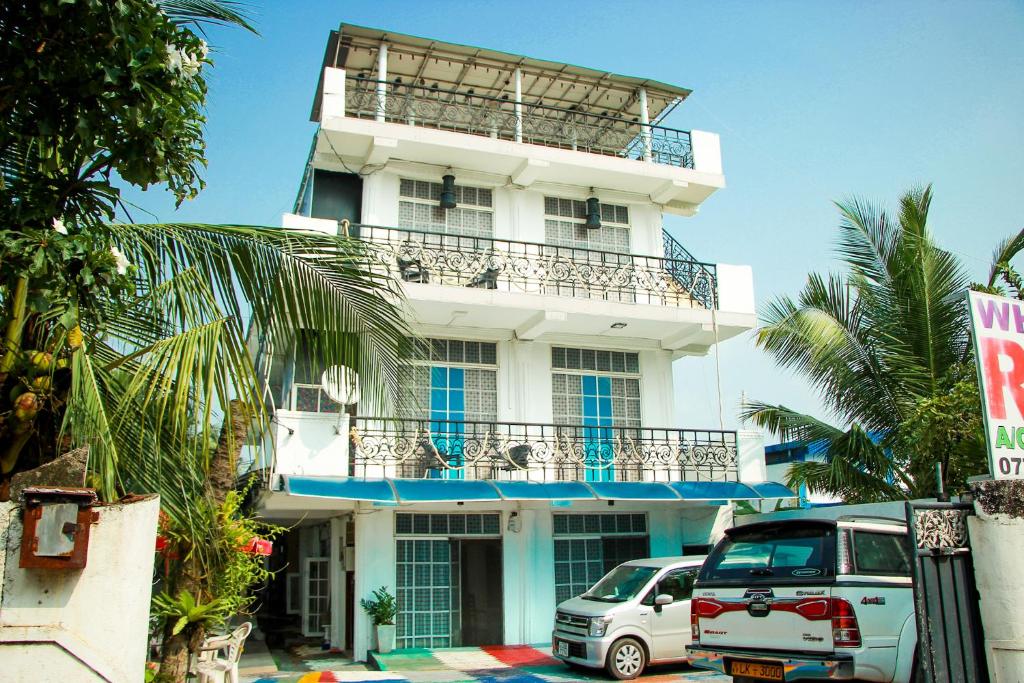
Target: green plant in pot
[[382, 609]]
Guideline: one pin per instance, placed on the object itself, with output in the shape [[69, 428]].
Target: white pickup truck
[[807, 599]]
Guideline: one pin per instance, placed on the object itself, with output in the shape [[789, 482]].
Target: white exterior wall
[[528, 564], [88, 624], [375, 567], [997, 541], [317, 444]]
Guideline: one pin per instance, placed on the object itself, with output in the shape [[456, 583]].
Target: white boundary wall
[[88, 624]]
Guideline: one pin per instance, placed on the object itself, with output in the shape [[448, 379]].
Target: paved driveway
[[499, 664]]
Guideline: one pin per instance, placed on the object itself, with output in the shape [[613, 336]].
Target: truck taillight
[[702, 607], [694, 623], [845, 630]]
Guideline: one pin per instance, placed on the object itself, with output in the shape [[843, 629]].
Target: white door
[[316, 592], [670, 625]]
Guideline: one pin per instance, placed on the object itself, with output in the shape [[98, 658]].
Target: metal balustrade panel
[[420, 448], [539, 124], [507, 265]]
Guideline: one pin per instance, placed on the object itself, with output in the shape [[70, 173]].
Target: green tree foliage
[[133, 339], [887, 345]]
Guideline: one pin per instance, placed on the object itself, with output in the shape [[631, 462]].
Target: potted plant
[[382, 609]]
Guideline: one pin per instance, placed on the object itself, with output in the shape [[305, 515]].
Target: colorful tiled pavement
[[496, 664]]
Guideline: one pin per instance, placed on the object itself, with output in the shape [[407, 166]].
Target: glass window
[[799, 553], [880, 553], [621, 584], [418, 209]]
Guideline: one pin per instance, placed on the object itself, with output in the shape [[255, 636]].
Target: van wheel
[[626, 659]]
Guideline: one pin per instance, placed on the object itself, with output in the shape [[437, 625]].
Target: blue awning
[[538, 490], [342, 488], [444, 490], [632, 490], [713, 490], [393, 491], [771, 489]]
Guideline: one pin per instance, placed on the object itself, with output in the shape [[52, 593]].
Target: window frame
[[434, 204], [905, 542]]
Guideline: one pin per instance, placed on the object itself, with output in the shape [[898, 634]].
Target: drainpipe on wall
[[382, 77], [519, 104], [645, 124]]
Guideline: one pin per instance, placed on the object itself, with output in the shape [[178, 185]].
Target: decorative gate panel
[[950, 642]]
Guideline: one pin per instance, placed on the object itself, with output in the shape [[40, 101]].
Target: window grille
[[423, 524], [595, 361], [418, 209], [588, 546], [424, 592], [613, 235]]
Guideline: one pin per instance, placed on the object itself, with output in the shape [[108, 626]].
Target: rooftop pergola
[[415, 61]]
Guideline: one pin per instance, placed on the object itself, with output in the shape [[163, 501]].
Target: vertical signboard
[[998, 328]]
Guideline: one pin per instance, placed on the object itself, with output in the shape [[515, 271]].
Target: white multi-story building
[[520, 203]]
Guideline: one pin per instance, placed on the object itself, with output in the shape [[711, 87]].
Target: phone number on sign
[[1008, 466]]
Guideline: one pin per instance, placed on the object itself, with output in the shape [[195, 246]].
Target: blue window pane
[[438, 399], [457, 402], [438, 427], [438, 378], [589, 384], [604, 407], [455, 378], [589, 407], [604, 386]]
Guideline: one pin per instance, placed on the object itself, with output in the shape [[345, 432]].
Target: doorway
[[480, 591]]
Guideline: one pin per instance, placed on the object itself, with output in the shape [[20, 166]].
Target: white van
[[638, 614], [803, 599]]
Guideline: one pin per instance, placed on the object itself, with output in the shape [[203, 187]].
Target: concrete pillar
[[519, 104], [334, 94], [382, 77], [997, 534], [645, 124], [336, 570]]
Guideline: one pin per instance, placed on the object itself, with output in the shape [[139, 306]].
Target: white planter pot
[[385, 638]]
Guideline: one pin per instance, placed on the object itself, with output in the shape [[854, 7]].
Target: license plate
[[768, 672], [563, 648]]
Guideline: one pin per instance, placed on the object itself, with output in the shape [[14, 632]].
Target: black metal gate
[[950, 644]]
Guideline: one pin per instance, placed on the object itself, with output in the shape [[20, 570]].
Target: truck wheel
[[626, 659]]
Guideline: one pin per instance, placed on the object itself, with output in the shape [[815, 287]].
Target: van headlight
[[598, 626]]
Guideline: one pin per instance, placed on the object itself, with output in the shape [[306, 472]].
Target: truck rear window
[[775, 554]]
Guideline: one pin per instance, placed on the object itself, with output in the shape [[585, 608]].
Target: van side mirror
[[663, 599]]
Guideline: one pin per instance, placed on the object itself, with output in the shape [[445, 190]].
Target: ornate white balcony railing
[[489, 263], [415, 448], [496, 117]]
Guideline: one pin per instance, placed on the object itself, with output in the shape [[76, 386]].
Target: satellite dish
[[341, 384]]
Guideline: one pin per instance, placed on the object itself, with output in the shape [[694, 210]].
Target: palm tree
[[887, 345], [133, 340]]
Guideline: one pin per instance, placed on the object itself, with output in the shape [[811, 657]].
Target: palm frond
[[200, 12]]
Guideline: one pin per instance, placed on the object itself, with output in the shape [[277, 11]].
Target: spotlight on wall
[[593, 214], [448, 191]]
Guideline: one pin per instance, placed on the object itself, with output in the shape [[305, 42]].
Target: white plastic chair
[[214, 669]]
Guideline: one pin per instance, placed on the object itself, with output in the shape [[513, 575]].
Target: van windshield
[[787, 554], [620, 584]]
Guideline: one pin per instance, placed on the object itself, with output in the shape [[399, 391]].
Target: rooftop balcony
[[576, 127]]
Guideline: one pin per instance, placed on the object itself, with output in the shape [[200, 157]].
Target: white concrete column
[[382, 77], [334, 94], [519, 104], [336, 572], [645, 124]]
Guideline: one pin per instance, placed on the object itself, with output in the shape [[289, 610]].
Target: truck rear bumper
[[794, 666]]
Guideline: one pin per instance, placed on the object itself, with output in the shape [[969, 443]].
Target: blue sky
[[814, 101]]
